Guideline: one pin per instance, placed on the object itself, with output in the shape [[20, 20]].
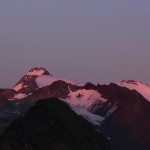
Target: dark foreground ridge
[[51, 125]]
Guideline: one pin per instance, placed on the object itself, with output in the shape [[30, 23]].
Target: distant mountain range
[[119, 111]]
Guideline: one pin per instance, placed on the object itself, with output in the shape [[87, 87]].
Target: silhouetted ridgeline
[[51, 125]]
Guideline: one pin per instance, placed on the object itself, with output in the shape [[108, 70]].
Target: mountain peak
[[129, 82], [142, 88], [38, 71], [27, 83]]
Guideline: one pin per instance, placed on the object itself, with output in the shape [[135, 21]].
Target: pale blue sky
[[91, 40]]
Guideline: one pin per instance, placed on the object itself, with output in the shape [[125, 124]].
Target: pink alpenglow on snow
[[84, 98], [143, 89], [19, 96], [18, 87], [45, 80], [36, 72]]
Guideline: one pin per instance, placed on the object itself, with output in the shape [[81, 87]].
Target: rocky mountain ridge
[[120, 111]]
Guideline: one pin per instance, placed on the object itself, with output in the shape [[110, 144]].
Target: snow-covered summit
[[37, 72], [143, 89], [37, 78], [28, 80], [40, 77]]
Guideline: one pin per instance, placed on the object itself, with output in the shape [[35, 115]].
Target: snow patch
[[84, 98], [95, 119], [18, 87], [20, 96]]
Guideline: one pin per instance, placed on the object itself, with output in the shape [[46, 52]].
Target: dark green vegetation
[[51, 125]]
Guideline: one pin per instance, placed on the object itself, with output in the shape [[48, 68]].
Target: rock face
[[51, 125], [57, 89], [6, 95], [131, 119]]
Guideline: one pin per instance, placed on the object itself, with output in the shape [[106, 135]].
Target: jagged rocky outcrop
[[130, 123]]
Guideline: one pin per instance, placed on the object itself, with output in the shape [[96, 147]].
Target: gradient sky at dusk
[[90, 40]]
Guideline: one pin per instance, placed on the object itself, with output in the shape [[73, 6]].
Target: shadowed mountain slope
[[51, 125]]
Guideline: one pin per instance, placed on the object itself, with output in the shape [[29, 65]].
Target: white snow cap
[[33, 72], [36, 71], [143, 89]]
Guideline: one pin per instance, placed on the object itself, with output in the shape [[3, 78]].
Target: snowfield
[[95, 119], [45, 80], [84, 98]]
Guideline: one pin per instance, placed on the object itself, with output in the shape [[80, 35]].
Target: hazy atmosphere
[[97, 41]]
